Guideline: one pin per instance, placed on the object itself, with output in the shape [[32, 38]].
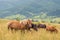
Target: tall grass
[[41, 34]]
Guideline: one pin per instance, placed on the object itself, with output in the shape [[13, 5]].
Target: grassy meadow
[[41, 34]]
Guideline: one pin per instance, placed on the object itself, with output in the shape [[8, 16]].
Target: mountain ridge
[[29, 7]]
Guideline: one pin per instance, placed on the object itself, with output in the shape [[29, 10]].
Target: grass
[[41, 34]]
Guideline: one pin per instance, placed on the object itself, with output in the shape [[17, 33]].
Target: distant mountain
[[55, 13], [29, 8]]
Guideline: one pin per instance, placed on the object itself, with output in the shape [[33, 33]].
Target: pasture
[[41, 34]]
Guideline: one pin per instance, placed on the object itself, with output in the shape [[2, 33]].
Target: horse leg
[[28, 29], [12, 30], [15, 30], [22, 31], [35, 28], [9, 28]]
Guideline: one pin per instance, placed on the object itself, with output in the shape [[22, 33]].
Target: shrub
[[18, 19]]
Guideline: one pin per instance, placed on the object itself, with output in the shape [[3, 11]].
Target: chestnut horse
[[15, 25], [51, 29]]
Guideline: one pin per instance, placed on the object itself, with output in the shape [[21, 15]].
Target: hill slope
[[25, 7]]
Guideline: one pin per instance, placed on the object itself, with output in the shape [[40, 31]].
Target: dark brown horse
[[33, 26], [41, 26]]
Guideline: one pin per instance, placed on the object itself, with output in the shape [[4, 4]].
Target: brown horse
[[51, 29], [16, 25]]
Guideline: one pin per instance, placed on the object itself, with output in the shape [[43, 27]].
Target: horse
[[51, 29], [41, 26], [16, 25]]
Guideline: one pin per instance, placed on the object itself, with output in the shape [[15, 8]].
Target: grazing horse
[[41, 26], [28, 23], [32, 26], [16, 25], [51, 29]]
